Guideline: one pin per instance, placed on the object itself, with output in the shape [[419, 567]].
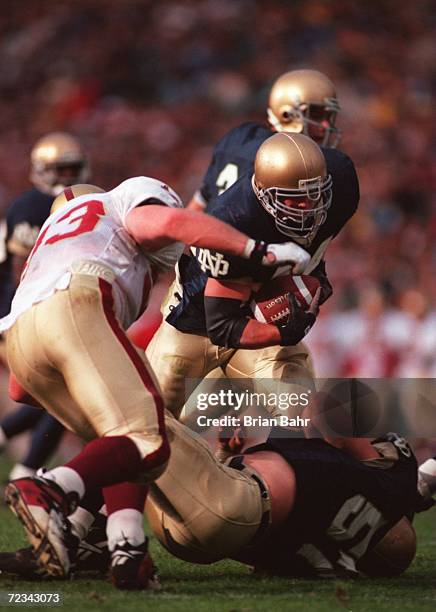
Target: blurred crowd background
[[149, 87]]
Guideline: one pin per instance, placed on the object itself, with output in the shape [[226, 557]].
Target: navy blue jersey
[[239, 207], [24, 219], [233, 157], [6, 285], [343, 506]]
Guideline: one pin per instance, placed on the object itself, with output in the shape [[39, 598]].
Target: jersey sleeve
[[166, 258], [135, 191], [346, 189], [234, 208], [208, 187]]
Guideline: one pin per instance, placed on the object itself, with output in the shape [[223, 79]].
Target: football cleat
[[90, 555], [42, 507], [93, 553], [22, 563], [132, 567]]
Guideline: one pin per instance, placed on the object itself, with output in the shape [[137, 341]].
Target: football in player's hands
[[271, 303]]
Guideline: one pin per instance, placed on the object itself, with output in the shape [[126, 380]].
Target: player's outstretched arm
[[226, 326], [154, 227]]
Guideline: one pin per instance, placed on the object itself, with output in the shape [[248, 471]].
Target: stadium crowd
[[149, 87]]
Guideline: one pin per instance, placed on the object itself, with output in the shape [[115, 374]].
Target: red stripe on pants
[[159, 456]]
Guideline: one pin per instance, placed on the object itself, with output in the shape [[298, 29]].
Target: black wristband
[[259, 252]]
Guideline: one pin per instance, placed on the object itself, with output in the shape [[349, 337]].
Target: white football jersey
[[89, 235]]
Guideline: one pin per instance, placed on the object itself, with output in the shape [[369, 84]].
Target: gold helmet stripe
[[300, 151]]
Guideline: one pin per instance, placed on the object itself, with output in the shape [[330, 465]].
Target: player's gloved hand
[[326, 289], [286, 253], [299, 320], [278, 254]]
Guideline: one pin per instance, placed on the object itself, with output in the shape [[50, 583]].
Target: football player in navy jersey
[[57, 161], [300, 101], [293, 194], [290, 507]]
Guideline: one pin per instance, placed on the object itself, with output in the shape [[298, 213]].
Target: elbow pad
[[225, 322]]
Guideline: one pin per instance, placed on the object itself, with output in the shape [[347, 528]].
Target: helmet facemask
[[300, 224], [52, 178]]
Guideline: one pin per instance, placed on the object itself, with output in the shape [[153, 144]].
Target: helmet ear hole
[[290, 99]]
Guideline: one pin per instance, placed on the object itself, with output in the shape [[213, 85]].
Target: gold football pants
[[201, 510], [71, 354], [176, 357]]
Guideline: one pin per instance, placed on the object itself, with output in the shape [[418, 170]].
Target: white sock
[[21, 471], [81, 521], [427, 478], [125, 525], [67, 478]]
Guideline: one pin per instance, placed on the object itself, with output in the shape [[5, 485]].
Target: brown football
[[270, 303], [393, 554]]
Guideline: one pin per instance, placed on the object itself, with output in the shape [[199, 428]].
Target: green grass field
[[228, 586]]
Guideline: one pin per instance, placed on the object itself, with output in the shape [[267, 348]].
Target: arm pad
[[224, 322]]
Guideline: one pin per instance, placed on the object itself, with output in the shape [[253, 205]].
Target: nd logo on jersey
[[215, 263]]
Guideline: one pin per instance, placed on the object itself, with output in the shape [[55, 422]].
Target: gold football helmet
[[57, 161], [304, 101], [69, 193], [291, 182]]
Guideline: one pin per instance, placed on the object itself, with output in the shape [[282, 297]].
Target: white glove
[[287, 253]]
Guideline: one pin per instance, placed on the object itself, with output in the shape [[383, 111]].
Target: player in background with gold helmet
[[305, 102], [300, 102], [57, 161]]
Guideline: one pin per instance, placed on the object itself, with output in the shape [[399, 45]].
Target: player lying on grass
[[86, 280], [287, 506], [291, 506]]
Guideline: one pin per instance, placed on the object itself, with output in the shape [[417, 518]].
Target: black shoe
[[22, 563], [132, 567], [93, 553]]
